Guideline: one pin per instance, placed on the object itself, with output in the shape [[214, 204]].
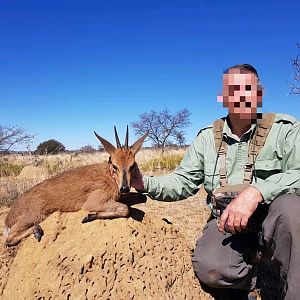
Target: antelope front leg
[[17, 234], [110, 210]]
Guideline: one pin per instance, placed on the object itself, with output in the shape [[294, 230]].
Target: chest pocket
[[268, 167]]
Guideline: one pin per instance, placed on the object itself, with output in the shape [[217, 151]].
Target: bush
[[87, 149], [164, 162], [50, 147], [7, 169]]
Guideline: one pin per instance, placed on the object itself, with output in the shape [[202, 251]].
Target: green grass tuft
[[163, 162], [7, 169]]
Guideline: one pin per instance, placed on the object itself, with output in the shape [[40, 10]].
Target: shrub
[[50, 147], [163, 162], [7, 169], [87, 149]]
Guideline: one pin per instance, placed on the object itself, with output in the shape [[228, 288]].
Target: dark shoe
[[231, 294], [228, 294]]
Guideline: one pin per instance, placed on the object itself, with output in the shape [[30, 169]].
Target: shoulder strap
[[263, 128], [256, 144], [218, 132], [221, 149]]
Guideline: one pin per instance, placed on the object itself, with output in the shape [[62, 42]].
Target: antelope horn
[[126, 138], [117, 138]]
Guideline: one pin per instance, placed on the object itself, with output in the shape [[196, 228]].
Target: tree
[[163, 127], [295, 85], [87, 149], [11, 136], [50, 147], [180, 138]]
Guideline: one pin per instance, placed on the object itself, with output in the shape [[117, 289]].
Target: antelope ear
[[138, 144], [107, 145]]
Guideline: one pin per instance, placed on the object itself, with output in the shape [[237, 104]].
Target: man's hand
[[137, 180], [236, 215]]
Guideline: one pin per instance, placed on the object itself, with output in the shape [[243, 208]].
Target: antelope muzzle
[[125, 188]]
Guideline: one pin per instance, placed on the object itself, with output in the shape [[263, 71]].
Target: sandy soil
[[147, 256]]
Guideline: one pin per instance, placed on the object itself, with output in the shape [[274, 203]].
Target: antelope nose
[[124, 189]]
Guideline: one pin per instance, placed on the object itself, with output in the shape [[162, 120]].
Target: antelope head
[[122, 159]]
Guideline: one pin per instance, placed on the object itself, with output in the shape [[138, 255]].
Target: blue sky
[[68, 68]]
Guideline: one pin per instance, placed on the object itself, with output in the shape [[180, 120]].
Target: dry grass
[[56, 163]]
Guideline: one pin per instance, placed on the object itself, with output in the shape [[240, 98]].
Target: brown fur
[[94, 188], [55, 193]]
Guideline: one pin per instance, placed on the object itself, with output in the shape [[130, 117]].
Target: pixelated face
[[242, 93]]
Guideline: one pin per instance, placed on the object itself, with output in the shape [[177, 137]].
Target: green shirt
[[277, 166]]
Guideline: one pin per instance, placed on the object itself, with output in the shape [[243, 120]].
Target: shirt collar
[[227, 132]]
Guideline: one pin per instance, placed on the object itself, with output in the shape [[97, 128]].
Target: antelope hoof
[[89, 218], [38, 232]]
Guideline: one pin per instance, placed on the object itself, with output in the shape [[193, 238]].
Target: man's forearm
[[170, 187]]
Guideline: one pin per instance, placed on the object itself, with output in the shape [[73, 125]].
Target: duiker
[[95, 188]]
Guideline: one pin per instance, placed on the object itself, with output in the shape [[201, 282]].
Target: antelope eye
[[115, 168]]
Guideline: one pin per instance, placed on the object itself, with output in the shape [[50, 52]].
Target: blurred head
[[242, 92]]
